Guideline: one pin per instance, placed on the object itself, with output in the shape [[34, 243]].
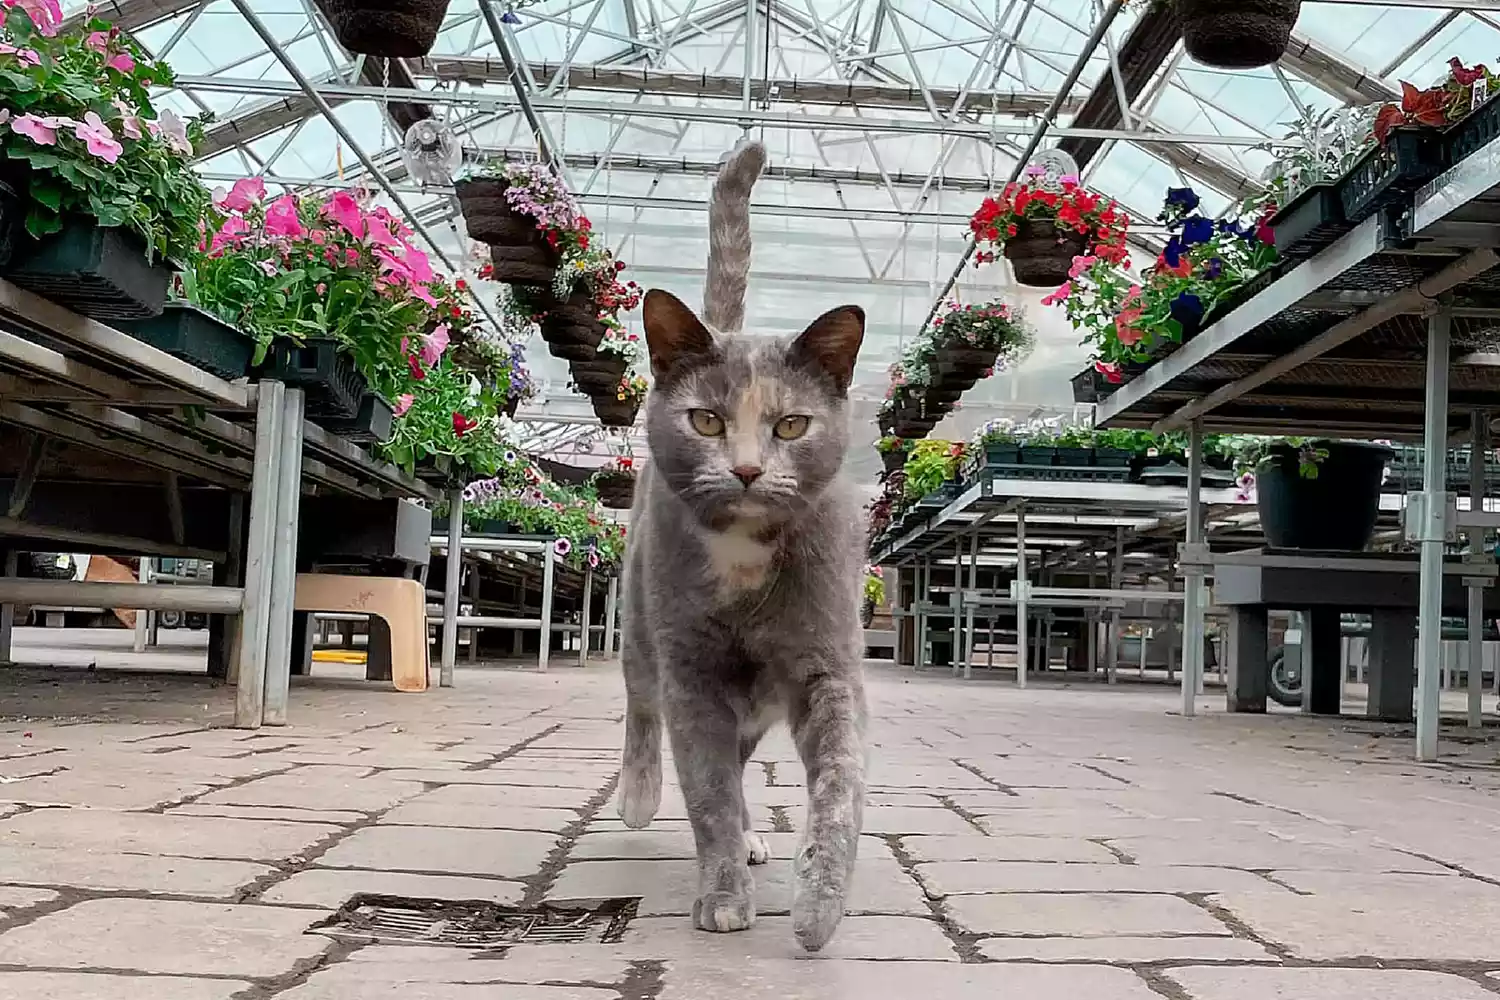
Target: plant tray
[[334, 386], [440, 469], [488, 526], [1002, 454], [1038, 456], [1113, 458], [199, 338], [371, 425], [1473, 133], [100, 272], [1388, 175], [1313, 220], [1086, 386], [1060, 473]]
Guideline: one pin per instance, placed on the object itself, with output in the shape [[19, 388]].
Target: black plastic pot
[[1474, 132], [1075, 458], [335, 388], [440, 469], [1002, 453], [1041, 254], [98, 271], [199, 338], [1035, 455], [1388, 175], [1113, 458], [392, 29], [371, 425], [1336, 510], [1309, 222], [1237, 34], [614, 412]]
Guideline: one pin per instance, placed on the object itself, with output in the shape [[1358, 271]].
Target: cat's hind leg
[[828, 723], [640, 774]]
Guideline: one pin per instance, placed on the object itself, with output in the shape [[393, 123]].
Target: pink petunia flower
[[130, 123], [98, 41], [97, 137], [343, 209], [403, 403], [1059, 296], [421, 294], [46, 15], [281, 218], [28, 57], [247, 191], [417, 263], [1081, 264], [122, 62], [435, 344], [42, 131], [562, 547], [230, 234], [268, 267]]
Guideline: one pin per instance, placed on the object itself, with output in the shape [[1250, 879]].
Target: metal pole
[[611, 599], [1192, 598], [8, 609], [544, 648], [142, 617], [749, 56], [1048, 116], [452, 582], [957, 603], [255, 608], [284, 562], [1479, 429], [539, 129], [1022, 584], [1431, 533], [969, 610], [1116, 581], [583, 618]]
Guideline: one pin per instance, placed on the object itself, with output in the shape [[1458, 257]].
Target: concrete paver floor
[[1019, 845]]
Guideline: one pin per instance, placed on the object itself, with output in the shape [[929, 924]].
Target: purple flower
[[562, 547]]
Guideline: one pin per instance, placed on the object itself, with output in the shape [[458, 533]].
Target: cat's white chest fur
[[739, 562]]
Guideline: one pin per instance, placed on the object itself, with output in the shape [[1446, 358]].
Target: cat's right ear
[[673, 333]]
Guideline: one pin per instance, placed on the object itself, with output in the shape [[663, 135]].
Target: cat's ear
[[673, 333], [830, 345]]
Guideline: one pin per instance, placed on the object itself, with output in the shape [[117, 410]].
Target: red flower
[[461, 285], [416, 367], [462, 424]]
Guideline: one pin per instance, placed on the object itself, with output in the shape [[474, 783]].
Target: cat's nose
[[746, 474]]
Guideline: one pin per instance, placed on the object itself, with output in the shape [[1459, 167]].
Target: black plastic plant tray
[[100, 272], [1313, 220], [1473, 133], [371, 425], [1387, 175], [199, 338], [334, 387], [1063, 474]]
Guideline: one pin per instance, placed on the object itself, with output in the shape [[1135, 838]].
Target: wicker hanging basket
[[390, 29], [1041, 254], [1237, 34], [616, 489]]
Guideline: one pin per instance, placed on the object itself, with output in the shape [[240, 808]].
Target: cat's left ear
[[831, 344]]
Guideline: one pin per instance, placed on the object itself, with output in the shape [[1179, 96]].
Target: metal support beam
[[500, 33], [1479, 449], [1192, 610], [1023, 586], [452, 581], [284, 561], [255, 611]]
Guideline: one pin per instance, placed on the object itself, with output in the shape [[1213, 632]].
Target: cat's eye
[[790, 428], [706, 422]]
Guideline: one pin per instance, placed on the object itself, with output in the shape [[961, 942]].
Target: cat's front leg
[[828, 723], [705, 745]]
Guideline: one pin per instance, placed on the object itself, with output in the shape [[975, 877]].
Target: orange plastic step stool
[[399, 603]]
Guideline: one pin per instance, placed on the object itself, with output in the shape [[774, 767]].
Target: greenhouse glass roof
[[886, 120]]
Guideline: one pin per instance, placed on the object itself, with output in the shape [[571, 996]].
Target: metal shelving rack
[[67, 378], [1391, 332], [995, 517]]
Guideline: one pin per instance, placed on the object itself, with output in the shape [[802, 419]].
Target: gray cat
[[742, 580]]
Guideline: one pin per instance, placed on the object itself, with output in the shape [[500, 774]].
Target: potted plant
[[932, 472], [1038, 441], [1200, 276], [998, 443], [529, 218], [1237, 34], [1075, 447], [621, 410], [1314, 493], [974, 341], [615, 484], [892, 452], [390, 29], [529, 503], [874, 595], [101, 181], [1040, 231], [1301, 183]]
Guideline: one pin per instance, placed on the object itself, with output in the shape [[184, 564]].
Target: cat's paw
[[820, 882], [757, 850], [640, 797], [724, 912]]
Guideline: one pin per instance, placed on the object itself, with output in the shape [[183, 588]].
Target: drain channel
[[374, 918]]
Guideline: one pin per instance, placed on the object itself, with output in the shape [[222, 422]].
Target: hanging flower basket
[[488, 216], [391, 29], [1042, 254], [614, 412], [598, 377], [1237, 34], [616, 489], [893, 459]]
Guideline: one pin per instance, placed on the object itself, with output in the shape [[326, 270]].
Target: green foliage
[[874, 587], [930, 464]]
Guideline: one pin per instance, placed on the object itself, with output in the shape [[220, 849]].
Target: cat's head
[[748, 431]]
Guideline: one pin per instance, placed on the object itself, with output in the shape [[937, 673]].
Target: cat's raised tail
[[729, 237]]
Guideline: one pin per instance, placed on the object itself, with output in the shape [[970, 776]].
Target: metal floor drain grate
[[369, 917]]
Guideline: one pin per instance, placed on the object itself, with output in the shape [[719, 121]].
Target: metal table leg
[[583, 619], [452, 582], [1023, 586], [611, 600], [8, 611], [544, 646], [284, 561], [1192, 603], [255, 611], [1431, 532], [1479, 429]]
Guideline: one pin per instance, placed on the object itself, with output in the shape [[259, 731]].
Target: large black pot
[[1336, 510]]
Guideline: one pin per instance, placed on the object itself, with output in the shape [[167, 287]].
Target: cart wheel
[[169, 619], [1285, 686]]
